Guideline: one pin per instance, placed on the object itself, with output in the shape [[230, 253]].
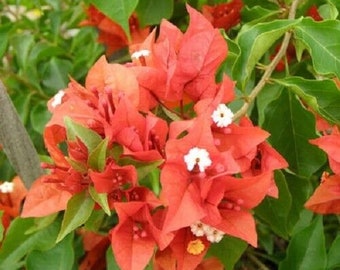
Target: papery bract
[[326, 197]]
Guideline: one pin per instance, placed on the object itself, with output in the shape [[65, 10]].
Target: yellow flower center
[[195, 247]]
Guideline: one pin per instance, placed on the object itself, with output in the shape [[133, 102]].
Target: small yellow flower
[[195, 247]]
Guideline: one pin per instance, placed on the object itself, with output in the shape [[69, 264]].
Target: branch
[[16, 142], [270, 68]]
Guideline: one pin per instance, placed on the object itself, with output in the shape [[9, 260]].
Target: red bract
[[314, 13], [11, 196], [326, 198], [112, 34], [331, 145], [225, 15], [134, 238]]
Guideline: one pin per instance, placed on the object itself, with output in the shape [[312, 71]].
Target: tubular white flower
[[197, 156], [222, 116], [57, 99], [6, 187]]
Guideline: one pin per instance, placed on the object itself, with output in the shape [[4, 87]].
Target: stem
[[270, 68], [16, 142]]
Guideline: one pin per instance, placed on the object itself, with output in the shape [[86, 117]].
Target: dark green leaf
[[17, 243], [291, 126], [110, 260], [56, 74], [228, 251], [258, 14], [118, 10], [151, 12], [95, 221], [333, 261], [90, 138], [60, 257], [306, 250], [275, 211], [39, 116], [322, 96], [79, 209], [300, 190], [254, 42], [322, 42]]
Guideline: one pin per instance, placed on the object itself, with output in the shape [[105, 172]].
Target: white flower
[[57, 99], [140, 53], [197, 156], [213, 235], [222, 116], [197, 228], [6, 187]]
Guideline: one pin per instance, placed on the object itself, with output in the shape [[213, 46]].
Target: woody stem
[[270, 68]]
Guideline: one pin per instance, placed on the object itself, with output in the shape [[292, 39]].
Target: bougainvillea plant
[[196, 141]]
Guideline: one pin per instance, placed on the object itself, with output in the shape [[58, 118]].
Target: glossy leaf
[[254, 42], [153, 11], [322, 42], [17, 243], [291, 126], [90, 138], [4, 37], [275, 211], [118, 10], [322, 96], [59, 257], [228, 251], [79, 209], [307, 250], [101, 199], [39, 116], [22, 44]]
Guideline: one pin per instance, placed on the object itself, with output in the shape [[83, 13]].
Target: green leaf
[[74, 130], [275, 211], [291, 126], [323, 43], [300, 190], [4, 37], [56, 74], [118, 10], [322, 96], [39, 116], [228, 251], [60, 257], [22, 44], [17, 243], [254, 42], [328, 11], [111, 263], [101, 199], [97, 158], [79, 209], [95, 221], [258, 14], [41, 223], [306, 250], [333, 261], [151, 12]]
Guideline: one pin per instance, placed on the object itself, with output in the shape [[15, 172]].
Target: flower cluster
[[154, 138]]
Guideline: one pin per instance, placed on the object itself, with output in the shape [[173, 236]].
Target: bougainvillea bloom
[[12, 195], [326, 197], [331, 145], [224, 15], [222, 116], [111, 34]]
